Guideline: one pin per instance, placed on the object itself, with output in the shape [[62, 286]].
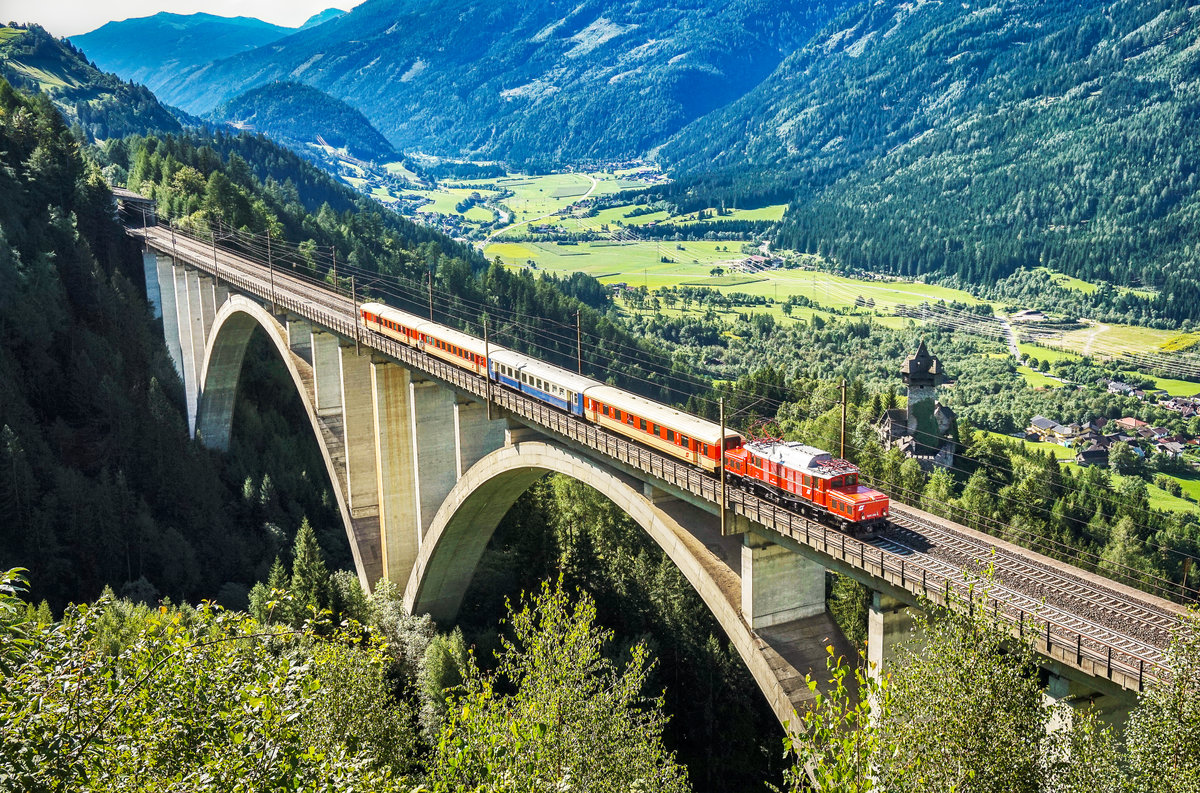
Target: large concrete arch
[[467, 519], [224, 353]]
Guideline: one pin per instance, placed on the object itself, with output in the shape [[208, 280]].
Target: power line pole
[[271, 270], [721, 403], [357, 335], [487, 368], [843, 454], [578, 344], [335, 280], [429, 276], [216, 267]]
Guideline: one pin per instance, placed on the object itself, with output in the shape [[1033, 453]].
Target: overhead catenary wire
[[655, 383], [516, 315]]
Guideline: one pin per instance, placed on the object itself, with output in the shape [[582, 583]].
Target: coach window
[[654, 428], [684, 442], [671, 435], [643, 425]]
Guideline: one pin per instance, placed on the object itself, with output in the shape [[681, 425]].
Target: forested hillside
[[296, 115], [153, 50], [99, 483], [528, 81], [101, 105], [942, 137], [254, 184]]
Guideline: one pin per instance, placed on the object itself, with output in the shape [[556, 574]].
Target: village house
[[1051, 431], [1129, 424], [1092, 455], [1171, 449]]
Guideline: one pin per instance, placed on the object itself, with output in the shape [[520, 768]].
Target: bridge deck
[[1078, 620]]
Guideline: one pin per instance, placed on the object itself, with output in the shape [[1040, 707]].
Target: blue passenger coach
[[542, 381]]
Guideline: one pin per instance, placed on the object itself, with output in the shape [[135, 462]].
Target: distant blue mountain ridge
[[155, 50]]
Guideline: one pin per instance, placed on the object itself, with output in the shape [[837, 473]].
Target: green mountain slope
[[951, 138], [153, 50], [528, 81], [103, 105], [298, 114]]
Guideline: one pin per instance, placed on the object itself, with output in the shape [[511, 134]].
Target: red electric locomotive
[[809, 481]]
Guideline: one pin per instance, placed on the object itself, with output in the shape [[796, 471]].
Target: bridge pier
[[778, 585], [1111, 707], [375, 422], [889, 624], [153, 290], [395, 467], [431, 426], [475, 436], [327, 372], [358, 431], [299, 336], [165, 288]]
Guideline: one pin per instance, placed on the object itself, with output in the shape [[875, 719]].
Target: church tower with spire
[[926, 429]]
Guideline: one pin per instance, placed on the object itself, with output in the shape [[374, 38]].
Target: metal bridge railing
[[1054, 638]]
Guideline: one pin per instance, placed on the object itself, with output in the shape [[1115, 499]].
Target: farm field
[[1071, 282], [1190, 485], [1105, 339], [1037, 379], [534, 196], [1059, 452], [444, 200], [1172, 386], [638, 264], [614, 217], [1161, 499]]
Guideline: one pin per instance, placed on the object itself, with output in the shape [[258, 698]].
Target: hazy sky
[[72, 17]]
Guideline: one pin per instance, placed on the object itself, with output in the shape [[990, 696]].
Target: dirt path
[[1099, 328]]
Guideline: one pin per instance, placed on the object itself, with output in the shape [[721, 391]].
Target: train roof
[[555, 374], [799, 457], [455, 337], [698, 428], [428, 327]]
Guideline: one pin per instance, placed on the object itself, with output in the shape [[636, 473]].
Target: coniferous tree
[[310, 578]]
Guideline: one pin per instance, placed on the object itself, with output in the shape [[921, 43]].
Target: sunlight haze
[[72, 17]]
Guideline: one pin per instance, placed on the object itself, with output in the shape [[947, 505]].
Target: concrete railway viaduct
[[423, 470]]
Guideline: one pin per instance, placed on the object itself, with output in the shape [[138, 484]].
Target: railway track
[[1043, 581], [1079, 613], [1012, 593]]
